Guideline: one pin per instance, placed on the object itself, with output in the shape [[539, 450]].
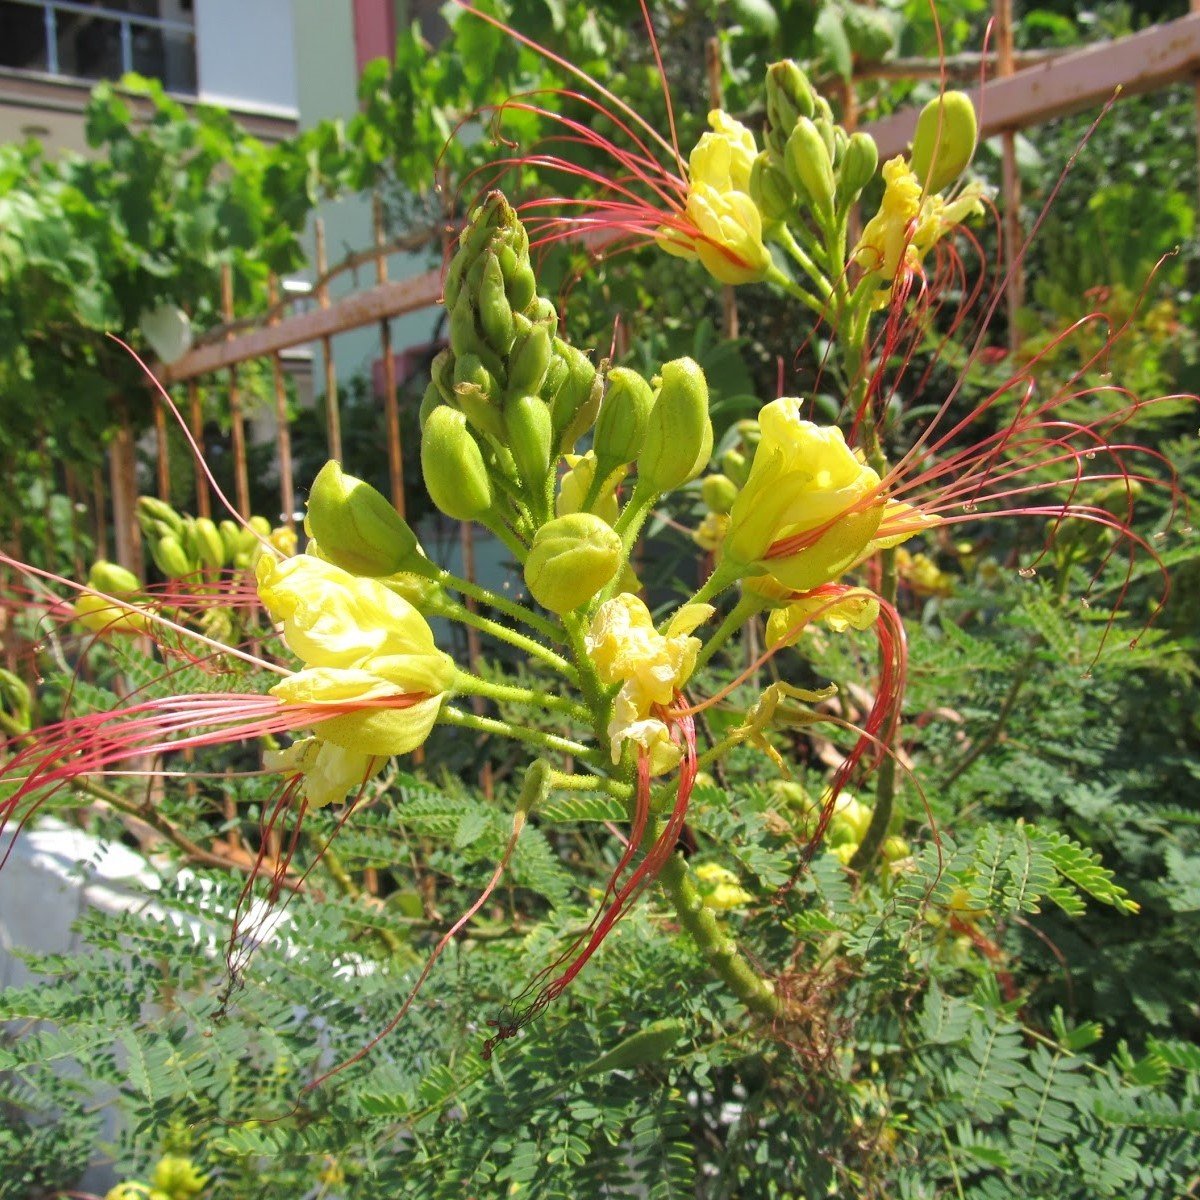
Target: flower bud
[[736, 466], [113, 579], [857, 168], [151, 509], [945, 140], [576, 485], [170, 557], [577, 400], [719, 492], [231, 538], [521, 286], [810, 166], [789, 97], [455, 474], [679, 433], [770, 190], [624, 412], [478, 394], [207, 543], [529, 360], [429, 401], [16, 704], [529, 435], [495, 312], [571, 560], [357, 528], [441, 371]]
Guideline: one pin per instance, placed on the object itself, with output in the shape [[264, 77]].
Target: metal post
[[50, 20], [126, 46]]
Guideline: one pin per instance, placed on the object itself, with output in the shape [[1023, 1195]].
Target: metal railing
[[88, 41]]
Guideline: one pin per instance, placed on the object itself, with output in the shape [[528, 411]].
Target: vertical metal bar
[[126, 46], [1010, 182], [122, 466], [50, 21], [162, 449], [100, 513], [333, 416], [237, 426], [196, 422], [391, 409], [287, 486]]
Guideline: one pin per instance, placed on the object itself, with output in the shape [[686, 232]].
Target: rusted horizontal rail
[[386, 300], [1070, 82], [1087, 78]]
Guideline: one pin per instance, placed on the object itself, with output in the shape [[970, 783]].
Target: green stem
[[810, 268], [534, 737], [713, 940], [505, 693], [793, 289], [510, 608], [885, 781], [535, 649], [498, 529], [590, 783], [748, 606]]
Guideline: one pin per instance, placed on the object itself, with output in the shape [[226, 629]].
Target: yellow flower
[[334, 619], [388, 709], [854, 609], [330, 772], [650, 667], [711, 531], [724, 158], [908, 224], [284, 540], [729, 232], [104, 615], [803, 478], [721, 888], [573, 488]]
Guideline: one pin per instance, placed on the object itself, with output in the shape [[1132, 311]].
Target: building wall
[[246, 53]]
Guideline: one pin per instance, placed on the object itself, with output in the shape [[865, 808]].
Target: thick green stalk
[[535, 649], [534, 737], [714, 942], [748, 606], [509, 607], [505, 693]]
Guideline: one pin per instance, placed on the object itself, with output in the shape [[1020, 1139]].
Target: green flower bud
[[945, 140], [828, 131], [209, 548], [495, 312], [841, 140], [789, 97], [736, 466], [171, 558], [543, 312], [477, 393], [556, 376], [429, 401], [530, 435], [453, 466], [571, 560], [577, 401], [624, 413], [129, 1190], [150, 508], [258, 525], [521, 286], [719, 492], [529, 360], [679, 433], [112, 579], [441, 371], [810, 166], [895, 848], [770, 190], [857, 169], [358, 529], [231, 537]]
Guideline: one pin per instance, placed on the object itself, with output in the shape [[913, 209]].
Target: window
[[99, 40]]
